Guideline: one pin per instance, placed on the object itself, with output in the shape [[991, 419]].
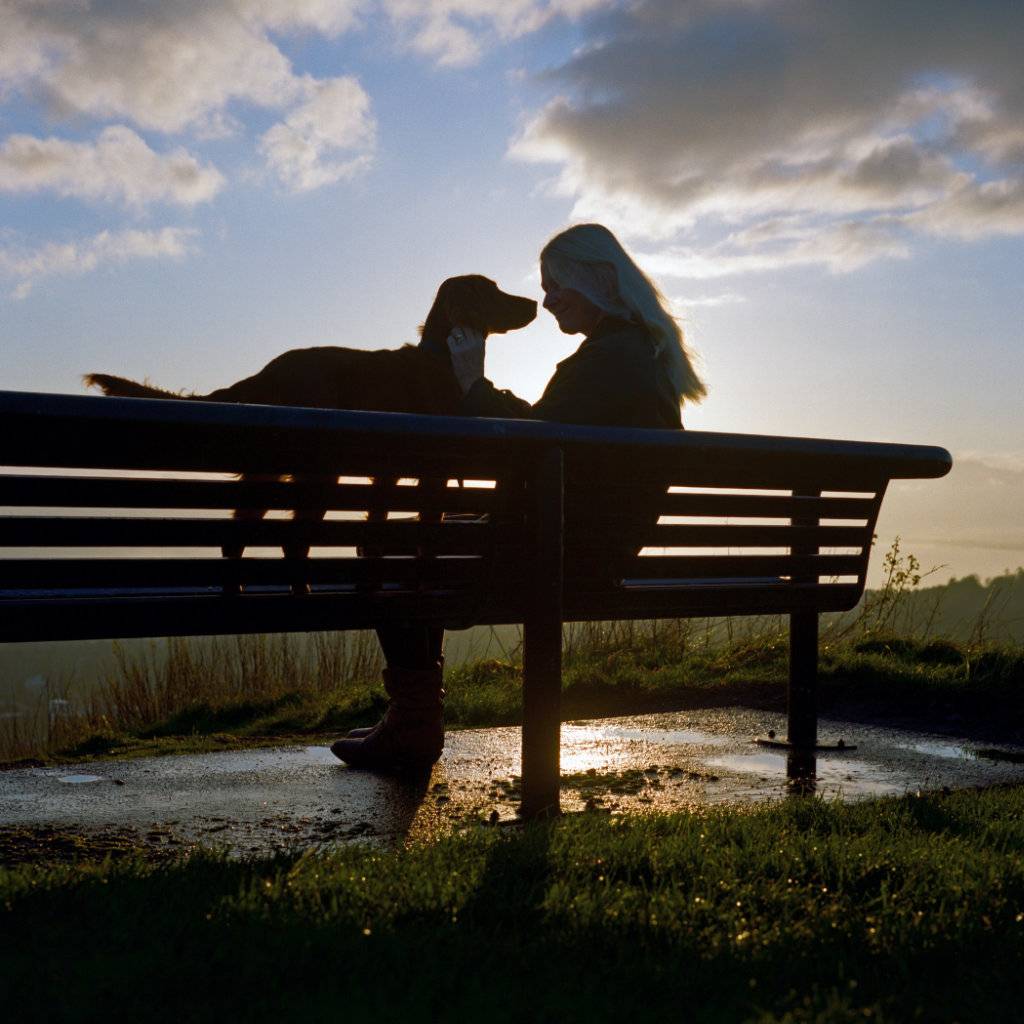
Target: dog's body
[[414, 378], [407, 379]]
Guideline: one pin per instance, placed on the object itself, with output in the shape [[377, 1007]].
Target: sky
[[830, 194]]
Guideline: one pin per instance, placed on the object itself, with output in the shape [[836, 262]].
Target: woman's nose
[[550, 298]]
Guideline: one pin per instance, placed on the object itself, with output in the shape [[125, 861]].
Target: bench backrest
[[113, 513]]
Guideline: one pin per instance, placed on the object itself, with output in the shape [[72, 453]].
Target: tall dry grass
[[172, 675]]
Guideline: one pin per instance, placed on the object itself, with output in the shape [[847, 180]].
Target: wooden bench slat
[[451, 537], [709, 601], [138, 492], [749, 476], [762, 506], [153, 434], [674, 535], [98, 573], [71, 618], [730, 566], [71, 531], [212, 614]]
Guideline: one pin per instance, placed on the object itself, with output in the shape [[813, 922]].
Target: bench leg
[[542, 717], [542, 643], [803, 679]]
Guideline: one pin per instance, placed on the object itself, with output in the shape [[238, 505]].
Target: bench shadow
[[385, 804], [515, 879], [801, 773]]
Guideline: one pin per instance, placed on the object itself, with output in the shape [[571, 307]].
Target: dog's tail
[[124, 388]]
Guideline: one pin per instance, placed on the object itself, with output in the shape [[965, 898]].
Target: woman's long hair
[[590, 259]]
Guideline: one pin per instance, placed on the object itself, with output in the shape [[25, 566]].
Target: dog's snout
[[517, 311]]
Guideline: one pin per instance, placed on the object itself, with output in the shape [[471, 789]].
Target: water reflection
[[801, 773], [613, 747], [665, 736], [940, 749], [804, 773]]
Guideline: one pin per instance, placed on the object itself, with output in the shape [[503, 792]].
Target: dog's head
[[473, 301]]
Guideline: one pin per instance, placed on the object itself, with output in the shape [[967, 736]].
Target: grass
[[891, 910], [616, 671]]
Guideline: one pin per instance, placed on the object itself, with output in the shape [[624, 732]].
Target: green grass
[[615, 672], [891, 910]]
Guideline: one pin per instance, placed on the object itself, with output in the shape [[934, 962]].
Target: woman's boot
[[411, 733]]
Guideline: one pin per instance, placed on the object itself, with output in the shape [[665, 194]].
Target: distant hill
[[967, 609]]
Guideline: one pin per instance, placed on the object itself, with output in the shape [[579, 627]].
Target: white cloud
[[27, 268], [456, 32], [721, 113], [329, 137], [167, 66], [328, 17], [119, 166], [177, 66], [840, 247], [976, 210]]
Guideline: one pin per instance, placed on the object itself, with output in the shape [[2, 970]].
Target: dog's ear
[[466, 301]]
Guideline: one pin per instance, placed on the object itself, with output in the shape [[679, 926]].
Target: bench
[[115, 512]]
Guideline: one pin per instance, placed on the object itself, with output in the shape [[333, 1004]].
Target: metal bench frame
[[752, 524]]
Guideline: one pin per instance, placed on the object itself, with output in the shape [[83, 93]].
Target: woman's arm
[[480, 396], [484, 399]]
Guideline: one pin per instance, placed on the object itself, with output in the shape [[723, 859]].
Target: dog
[[413, 378]]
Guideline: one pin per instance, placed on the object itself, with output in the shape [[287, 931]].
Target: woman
[[632, 370]]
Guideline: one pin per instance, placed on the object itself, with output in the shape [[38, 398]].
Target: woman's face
[[575, 313]]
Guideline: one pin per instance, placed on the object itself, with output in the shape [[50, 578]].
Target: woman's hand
[[466, 345]]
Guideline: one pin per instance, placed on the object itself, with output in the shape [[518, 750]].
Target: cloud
[[177, 66], [680, 304], [329, 137], [975, 210], [80, 257], [118, 167], [840, 247], [455, 32], [167, 66], [976, 505], [718, 114]]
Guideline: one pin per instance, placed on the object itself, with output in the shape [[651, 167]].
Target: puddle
[[666, 737], [939, 749], [1007, 756], [607, 748], [272, 798], [827, 776]]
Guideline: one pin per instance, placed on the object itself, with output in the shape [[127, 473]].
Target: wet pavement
[[257, 801]]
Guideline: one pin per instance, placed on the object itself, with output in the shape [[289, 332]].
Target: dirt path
[[259, 801]]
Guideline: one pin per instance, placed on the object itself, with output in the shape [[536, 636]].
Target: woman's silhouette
[[632, 370]]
